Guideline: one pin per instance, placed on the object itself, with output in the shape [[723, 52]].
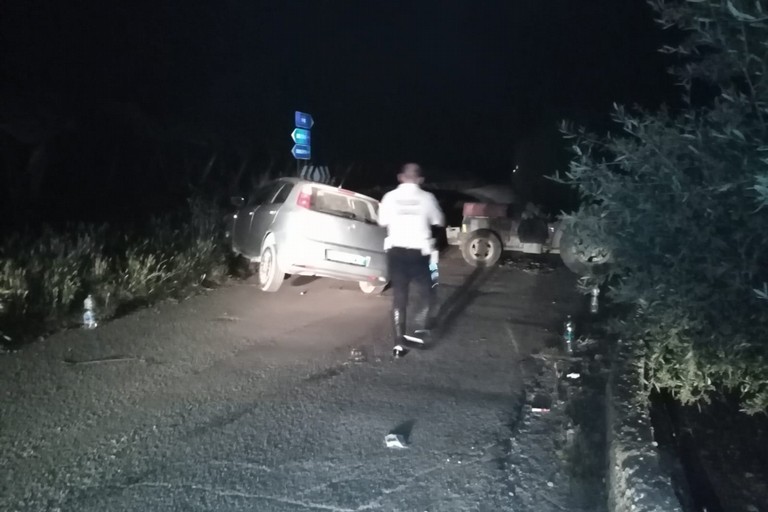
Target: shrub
[[679, 198], [48, 276], [13, 288]]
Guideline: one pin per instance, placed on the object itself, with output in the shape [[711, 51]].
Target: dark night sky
[[448, 83]]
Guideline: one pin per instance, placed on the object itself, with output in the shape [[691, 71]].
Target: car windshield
[[344, 205]]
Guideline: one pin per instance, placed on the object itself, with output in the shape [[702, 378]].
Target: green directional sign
[[301, 136]]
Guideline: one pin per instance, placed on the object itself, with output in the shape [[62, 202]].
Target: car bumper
[[370, 275], [309, 259]]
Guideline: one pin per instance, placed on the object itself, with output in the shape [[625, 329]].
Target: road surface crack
[[108, 359], [247, 465], [239, 494]]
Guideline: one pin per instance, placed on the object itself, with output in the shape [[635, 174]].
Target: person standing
[[409, 213]]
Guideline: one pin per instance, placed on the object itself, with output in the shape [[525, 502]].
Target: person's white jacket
[[409, 212]]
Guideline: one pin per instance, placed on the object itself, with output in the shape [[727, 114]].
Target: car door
[[248, 220], [267, 212]]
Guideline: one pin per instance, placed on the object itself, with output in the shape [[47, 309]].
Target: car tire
[[578, 259], [482, 248], [371, 289], [270, 276]]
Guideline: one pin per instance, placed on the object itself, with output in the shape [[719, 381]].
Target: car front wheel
[[270, 275]]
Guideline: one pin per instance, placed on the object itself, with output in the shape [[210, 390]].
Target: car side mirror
[[237, 201]]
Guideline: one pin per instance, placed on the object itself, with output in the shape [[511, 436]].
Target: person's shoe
[[419, 336], [399, 351], [414, 338]]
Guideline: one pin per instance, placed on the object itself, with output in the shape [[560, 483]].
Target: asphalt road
[[241, 400]]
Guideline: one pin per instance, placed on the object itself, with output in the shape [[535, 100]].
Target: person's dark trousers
[[406, 266]]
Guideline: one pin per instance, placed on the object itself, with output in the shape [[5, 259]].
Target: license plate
[[345, 257]]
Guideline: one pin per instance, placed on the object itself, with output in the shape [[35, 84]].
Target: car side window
[[283, 194], [263, 194]]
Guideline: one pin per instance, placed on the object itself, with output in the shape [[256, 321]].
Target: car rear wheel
[[270, 275], [370, 288], [482, 249]]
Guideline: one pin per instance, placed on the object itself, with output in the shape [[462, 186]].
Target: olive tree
[[679, 197]]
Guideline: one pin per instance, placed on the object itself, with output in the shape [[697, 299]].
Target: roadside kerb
[[636, 479]]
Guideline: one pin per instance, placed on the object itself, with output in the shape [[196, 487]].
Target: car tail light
[[304, 200]]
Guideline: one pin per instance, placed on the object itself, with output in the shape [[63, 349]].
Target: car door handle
[[251, 212], [272, 212]]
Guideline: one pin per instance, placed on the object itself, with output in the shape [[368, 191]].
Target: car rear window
[[344, 205]]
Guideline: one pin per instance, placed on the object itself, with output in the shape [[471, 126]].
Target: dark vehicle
[[488, 229]]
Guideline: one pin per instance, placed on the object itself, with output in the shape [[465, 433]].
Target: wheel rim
[[266, 267], [481, 249]]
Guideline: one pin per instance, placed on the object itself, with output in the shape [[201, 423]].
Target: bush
[[46, 277], [13, 288], [679, 199]]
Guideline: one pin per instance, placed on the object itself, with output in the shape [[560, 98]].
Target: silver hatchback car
[[298, 227]]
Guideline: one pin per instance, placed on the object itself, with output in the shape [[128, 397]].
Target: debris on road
[[395, 441], [528, 265], [226, 318], [541, 403], [356, 355]]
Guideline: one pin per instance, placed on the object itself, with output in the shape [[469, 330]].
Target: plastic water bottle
[[569, 334], [89, 316], [434, 273], [433, 267], [594, 307]]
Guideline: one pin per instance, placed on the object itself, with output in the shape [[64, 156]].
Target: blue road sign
[[303, 120], [301, 136], [302, 152]]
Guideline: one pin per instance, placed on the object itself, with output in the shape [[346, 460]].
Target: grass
[[44, 277]]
